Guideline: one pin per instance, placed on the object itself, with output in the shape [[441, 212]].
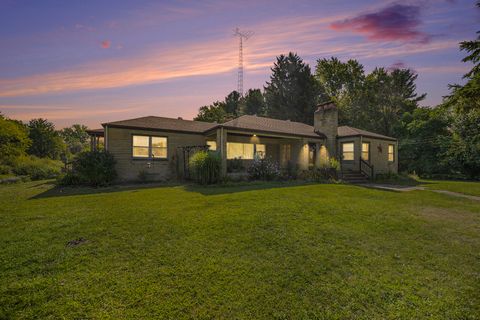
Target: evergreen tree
[[46, 142], [254, 102], [292, 92]]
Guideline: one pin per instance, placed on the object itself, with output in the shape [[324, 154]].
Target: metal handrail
[[369, 166]]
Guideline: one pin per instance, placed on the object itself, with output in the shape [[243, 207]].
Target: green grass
[[266, 251], [465, 187]]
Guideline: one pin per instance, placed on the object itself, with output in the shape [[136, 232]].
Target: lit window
[[141, 146], [236, 150], [149, 147], [260, 150], [212, 145], [365, 151], [391, 152], [347, 151]]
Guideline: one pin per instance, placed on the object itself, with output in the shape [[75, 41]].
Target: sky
[[92, 62]]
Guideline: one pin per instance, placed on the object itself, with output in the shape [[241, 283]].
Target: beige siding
[[378, 154], [128, 169]]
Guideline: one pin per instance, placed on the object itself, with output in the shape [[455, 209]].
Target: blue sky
[[96, 61]]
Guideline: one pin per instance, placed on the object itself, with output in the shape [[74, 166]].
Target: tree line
[[441, 140]]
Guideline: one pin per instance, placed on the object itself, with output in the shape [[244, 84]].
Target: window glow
[[391, 152], [212, 145], [365, 151], [260, 151], [347, 151], [148, 147]]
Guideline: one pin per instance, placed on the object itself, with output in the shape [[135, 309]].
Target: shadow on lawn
[[58, 191]]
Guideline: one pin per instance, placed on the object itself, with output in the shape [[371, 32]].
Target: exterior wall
[[119, 141], [378, 154]]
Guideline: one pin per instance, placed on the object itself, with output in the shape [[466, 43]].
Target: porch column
[[222, 148], [302, 160]]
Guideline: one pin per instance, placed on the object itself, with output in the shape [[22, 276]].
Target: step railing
[[366, 168]]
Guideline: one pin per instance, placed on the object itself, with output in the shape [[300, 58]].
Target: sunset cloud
[[396, 22], [105, 44]]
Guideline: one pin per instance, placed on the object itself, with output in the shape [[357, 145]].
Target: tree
[[254, 102], [233, 103], [425, 139], [76, 138], [292, 92], [464, 153], [14, 139], [343, 83], [46, 142], [387, 96], [213, 113]]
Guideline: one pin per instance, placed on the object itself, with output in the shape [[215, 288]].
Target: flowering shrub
[[263, 169]]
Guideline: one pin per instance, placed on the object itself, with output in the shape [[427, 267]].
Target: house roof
[[161, 123], [269, 125], [346, 131], [242, 123]]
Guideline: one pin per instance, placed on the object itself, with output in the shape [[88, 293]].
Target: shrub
[[263, 169], [37, 168], [319, 174], [4, 169], [235, 165], [94, 168], [334, 164], [206, 167]]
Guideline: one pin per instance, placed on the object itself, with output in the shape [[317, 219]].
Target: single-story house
[[159, 147]]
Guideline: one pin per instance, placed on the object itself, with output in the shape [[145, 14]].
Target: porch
[[238, 149]]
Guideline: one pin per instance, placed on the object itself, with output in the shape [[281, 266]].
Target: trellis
[[186, 152]]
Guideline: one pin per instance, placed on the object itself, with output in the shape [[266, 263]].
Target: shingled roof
[[346, 131], [161, 123], [268, 125]]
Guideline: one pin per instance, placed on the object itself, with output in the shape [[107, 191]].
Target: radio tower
[[241, 35]]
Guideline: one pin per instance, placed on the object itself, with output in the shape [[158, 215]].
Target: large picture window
[[391, 152], [366, 151], [347, 151], [149, 147], [246, 151]]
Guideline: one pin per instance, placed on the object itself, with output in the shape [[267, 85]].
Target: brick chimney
[[326, 121]]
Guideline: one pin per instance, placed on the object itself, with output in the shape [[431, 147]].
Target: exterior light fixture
[[254, 135]]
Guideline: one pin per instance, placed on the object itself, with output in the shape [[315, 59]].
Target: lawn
[[465, 187], [266, 251]]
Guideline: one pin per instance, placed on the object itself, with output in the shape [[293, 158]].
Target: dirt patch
[[76, 242]]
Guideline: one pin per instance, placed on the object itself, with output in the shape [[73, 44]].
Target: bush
[[37, 168], [206, 167], [93, 168], [263, 169], [235, 165], [334, 164], [4, 169], [319, 174]]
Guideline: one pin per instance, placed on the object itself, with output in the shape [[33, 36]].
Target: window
[[366, 151], [391, 152], [212, 145], [247, 151], [347, 151], [149, 147], [236, 150]]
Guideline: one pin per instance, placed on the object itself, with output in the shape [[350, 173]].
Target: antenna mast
[[241, 35]]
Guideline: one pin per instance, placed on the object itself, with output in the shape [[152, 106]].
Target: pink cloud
[[396, 22], [105, 44]]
